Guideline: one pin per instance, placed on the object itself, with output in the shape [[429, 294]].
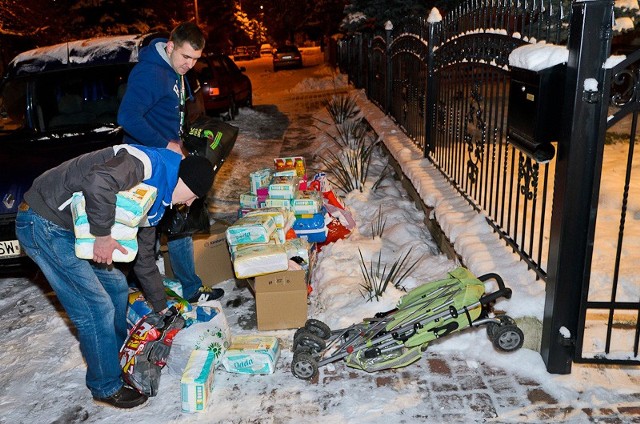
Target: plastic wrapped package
[[260, 259], [307, 202], [251, 229], [283, 187], [84, 249]]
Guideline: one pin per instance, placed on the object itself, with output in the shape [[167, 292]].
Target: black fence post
[[430, 121], [571, 223], [388, 27]]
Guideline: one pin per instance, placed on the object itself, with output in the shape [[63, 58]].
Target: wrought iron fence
[[447, 81]]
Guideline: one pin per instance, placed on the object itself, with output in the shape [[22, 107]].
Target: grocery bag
[[207, 332], [145, 352]]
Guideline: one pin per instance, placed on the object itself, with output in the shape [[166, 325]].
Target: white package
[[260, 259]]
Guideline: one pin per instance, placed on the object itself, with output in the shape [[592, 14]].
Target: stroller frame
[[398, 337]]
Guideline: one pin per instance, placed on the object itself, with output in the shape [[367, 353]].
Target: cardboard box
[[281, 299], [211, 256], [197, 381]]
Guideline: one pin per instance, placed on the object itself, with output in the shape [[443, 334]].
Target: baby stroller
[[397, 338]]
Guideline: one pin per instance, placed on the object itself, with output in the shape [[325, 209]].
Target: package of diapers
[[271, 202], [251, 229], [118, 231], [283, 187], [307, 202], [259, 179], [196, 383], [84, 249], [252, 354], [131, 205], [260, 259]]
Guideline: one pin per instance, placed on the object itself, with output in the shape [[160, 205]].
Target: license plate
[[9, 248], [286, 57]]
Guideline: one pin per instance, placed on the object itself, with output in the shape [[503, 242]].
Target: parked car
[[254, 53], [266, 49], [56, 103], [241, 53], [225, 86], [286, 57]]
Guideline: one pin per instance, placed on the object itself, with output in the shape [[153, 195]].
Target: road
[[279, 124]]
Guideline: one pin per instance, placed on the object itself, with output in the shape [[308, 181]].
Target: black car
[[287, 56], [56, 103], [225, 86]]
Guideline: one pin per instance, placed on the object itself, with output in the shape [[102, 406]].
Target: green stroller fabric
[[426, 313]]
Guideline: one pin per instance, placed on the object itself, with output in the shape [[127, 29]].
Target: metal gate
[[609, 316]]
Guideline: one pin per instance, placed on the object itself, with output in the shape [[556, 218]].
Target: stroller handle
[[502, 291]]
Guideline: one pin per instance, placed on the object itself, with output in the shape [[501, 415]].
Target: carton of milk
[[197, 381], [252, 354]]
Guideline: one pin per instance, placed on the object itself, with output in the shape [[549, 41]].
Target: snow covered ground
[[43, 371]]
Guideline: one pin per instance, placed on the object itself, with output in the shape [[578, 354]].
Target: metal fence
[[447, 81]]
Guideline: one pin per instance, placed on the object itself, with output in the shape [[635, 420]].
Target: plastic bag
[[145, 352], [210, 333], [212, 139]]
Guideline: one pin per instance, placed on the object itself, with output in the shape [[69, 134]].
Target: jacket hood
[[155, 53]]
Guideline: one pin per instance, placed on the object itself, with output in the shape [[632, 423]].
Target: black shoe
[[205, 293], [125, 398]]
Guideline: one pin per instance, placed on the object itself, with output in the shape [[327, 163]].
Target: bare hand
[[103, 249]]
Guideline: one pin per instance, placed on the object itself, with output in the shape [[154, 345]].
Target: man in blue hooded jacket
[[152, 113]]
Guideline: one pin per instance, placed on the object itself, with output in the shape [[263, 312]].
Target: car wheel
[[232, 110]]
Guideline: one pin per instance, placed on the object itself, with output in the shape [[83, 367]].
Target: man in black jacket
[[94, 293]]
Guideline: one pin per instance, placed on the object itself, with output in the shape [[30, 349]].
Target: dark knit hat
[[197, 174]]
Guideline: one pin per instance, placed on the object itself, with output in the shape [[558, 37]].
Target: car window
[[218, 65], [79, 97], [13, 105], [203, 70], [230, 65]]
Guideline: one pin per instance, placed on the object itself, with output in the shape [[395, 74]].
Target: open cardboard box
[[211, 256], [281, 299]]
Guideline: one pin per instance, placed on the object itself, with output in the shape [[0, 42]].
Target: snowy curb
[[473, 238]]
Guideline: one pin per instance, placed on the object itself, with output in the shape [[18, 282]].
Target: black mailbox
[[535, 109]]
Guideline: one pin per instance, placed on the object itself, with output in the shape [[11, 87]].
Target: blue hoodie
[[150, 109]]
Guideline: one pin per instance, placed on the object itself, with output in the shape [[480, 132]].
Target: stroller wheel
[[492, 327], [310, 340], [304, 366], [508, 338], [299, 331], [318, 328], [302, 349]]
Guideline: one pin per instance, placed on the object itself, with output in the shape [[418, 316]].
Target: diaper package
[[271, 202], [260, 259], [259, 179], [280, 215], [251, 229], [283, 187], [307, 202], [132, 205], [84, 249], [197, 381], [252, 354]]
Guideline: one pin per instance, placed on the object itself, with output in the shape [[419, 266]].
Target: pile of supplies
[[283, 220], [191, 340], [282, 208]]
